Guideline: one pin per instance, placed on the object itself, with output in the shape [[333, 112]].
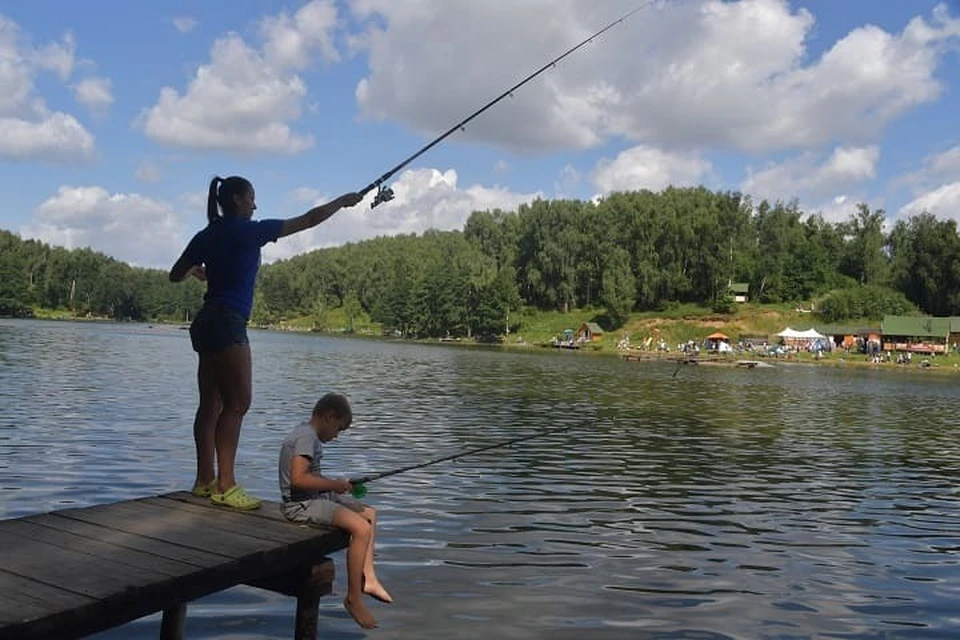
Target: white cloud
[[54, 137], [129, 227], [245, 99], [841, 208], [943, 202], [148, 172], [935, 186], [59, 57], [94, 93], [945, 163], [937, 169], [701, 73], [306, 195], [425, 199], [806, 178], [195, 200], [644, 167], [29, 130], [291, 40], [567, 181], [184, 24]]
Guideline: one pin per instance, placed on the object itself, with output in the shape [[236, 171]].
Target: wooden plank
[[96, 548], [270, 510], [15, 609], [174, 531], [127, 540], [238, 522], [80, 572], [229, 522], [200, 531], [23, 598], [27, 589]]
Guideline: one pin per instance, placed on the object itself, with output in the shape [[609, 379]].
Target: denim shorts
[[217, 327]]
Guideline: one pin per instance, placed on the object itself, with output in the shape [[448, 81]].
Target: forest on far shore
[[628, 252]]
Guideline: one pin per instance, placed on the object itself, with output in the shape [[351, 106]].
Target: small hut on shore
[[589, 332]]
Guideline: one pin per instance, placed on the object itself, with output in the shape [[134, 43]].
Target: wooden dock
[[74, 572]]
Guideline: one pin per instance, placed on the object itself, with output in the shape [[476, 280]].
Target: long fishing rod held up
[[385, 194], [359, 484]]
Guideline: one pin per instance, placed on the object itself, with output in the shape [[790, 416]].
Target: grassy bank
[[673, 325]]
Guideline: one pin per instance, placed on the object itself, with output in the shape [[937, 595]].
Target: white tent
[[791, 334]]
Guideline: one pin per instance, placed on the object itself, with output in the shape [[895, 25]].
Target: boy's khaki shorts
[[319, 510]]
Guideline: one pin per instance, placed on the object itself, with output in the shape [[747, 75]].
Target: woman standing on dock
[[226, 254]]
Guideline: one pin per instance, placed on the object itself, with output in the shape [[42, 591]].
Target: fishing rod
[[359, 484], [385, 194]]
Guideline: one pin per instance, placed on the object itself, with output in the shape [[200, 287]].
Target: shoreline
[[855, 361]]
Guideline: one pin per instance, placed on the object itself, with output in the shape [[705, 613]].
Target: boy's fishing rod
[[359, 484], [385, 194]]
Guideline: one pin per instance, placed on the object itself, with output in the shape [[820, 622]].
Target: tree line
[[630, 251]]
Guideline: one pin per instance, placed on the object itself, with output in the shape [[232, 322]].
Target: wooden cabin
[[589, 332]]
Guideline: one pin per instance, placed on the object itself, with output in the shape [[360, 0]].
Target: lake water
[[792, 502]]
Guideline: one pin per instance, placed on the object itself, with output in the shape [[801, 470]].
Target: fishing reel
[[384, 194]]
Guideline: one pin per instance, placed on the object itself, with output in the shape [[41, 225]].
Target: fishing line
[[359, 484], [385, 194]]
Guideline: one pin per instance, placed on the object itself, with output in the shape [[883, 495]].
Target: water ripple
[[787, 503]]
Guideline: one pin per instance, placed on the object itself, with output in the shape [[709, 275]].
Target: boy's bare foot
[[359, 612], [375, 590]]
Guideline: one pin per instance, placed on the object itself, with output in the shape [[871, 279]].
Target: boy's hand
[[343, 486]]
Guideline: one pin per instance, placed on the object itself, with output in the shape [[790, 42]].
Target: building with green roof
[[919, 334], [740, 291]]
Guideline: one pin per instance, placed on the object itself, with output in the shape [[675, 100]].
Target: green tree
[[351, 308], [619, 285], [864, 259]]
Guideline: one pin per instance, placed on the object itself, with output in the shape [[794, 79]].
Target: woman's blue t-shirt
[[229, 249]]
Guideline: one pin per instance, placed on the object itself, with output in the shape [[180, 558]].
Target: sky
[[114, 116]]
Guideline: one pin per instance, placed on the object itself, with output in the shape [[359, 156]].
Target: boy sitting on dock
[[309, 497]]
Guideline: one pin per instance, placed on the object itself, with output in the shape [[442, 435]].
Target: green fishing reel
[[359, 490]]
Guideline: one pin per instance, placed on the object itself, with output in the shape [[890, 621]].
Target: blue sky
[[114, 115]]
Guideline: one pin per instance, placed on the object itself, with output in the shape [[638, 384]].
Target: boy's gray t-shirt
[[302, 441]]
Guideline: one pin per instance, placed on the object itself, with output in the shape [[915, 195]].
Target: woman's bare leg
[[205, 421], [234, 377]]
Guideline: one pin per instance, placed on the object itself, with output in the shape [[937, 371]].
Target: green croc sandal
[[236, 498], [204, 490]]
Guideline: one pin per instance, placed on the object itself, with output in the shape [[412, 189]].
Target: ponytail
[[220, 198], [213, 211]]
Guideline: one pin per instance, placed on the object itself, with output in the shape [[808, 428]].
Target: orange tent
[[717, 336]]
